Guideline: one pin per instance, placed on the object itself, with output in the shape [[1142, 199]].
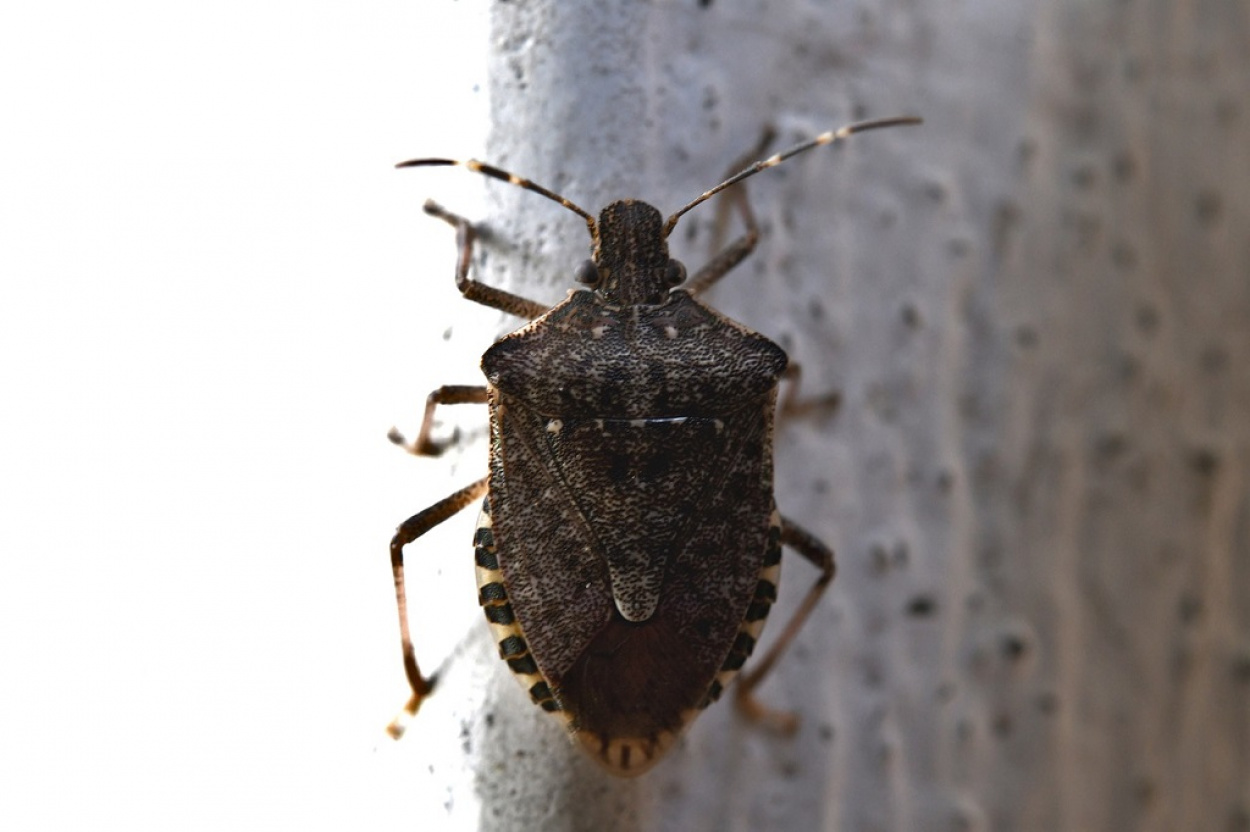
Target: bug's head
[[631, 263]]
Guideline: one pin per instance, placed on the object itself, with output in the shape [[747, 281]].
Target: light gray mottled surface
[[1037, 310]]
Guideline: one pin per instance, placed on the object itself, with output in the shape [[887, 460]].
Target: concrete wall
[[1036, 308]]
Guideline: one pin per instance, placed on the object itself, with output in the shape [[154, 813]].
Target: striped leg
[[408, 531]]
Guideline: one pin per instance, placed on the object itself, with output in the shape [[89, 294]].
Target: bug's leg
[[821, 556], [447, 394], [470, 288], [408, 531], [731, 199], [791, 405]]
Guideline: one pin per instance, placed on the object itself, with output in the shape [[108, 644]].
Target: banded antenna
[[772, 161], [511, 178], [777, 158]]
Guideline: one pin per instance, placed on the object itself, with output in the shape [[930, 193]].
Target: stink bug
[[629, 546]]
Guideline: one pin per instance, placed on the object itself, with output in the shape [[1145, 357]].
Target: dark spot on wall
[[1014, 647], [1204, 461], [710, 97], [1208, 206], [1145, 790], [1026, 151], [1123, 256], [879, 559], [1047, 703], [1026, 337], [935, 191], [1085, 226], [1127, 368], [1109, 447], [1084, 122], [1006, 218], [1147, 319], [1133, 69], [1213, 358], [1241, 668], [873, 675], [1123, 166], [1189, 609], [922, 606], [910, 316], [1084, 176]]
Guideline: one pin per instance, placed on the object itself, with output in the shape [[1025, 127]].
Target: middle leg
[[447, 394]]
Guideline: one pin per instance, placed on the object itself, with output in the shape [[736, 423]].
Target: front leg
[[466, 233]]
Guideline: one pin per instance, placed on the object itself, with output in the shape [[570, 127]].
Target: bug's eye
[[587, 273], [675, 274]]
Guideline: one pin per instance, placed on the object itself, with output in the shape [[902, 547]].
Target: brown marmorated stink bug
[[629, 546]]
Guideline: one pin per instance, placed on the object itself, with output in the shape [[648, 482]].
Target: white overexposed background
[[217, 296]]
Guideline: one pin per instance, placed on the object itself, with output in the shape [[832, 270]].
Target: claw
[[400, 723], [429, 448], [785, 723]]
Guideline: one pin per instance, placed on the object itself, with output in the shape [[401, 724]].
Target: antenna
[[776, 159], [512, 178]]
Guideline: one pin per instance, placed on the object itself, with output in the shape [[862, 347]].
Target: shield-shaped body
[[628, 551]]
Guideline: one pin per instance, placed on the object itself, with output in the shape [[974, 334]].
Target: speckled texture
[[630, 494], [1037, 310]]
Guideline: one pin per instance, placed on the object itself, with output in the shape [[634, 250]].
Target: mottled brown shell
[[631, 507]]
